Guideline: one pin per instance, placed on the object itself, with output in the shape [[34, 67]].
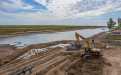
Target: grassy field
[[116, 28], [113, 36], [14, 28]]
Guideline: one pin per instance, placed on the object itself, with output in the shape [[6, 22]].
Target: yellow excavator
[[88, 50]]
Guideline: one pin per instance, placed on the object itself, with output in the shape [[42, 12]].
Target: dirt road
[[113, 58]]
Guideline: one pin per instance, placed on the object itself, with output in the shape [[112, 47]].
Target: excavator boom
[[84, 39], [88, 50]]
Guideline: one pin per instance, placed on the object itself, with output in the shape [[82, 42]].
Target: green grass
[[116, 28], [113, 36], [19, 28]]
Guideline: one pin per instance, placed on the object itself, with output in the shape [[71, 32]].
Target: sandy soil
[[113, 58], [107, 64], [12, 53], [6, 49]]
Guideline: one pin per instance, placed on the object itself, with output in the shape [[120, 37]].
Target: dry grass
[[24, 28]]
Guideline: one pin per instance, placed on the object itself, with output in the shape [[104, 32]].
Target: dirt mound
[[75, 65], [91, 66], [10, 57]]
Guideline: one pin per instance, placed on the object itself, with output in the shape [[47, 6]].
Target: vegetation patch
[[4, 29], [116, 28], [113, 36]]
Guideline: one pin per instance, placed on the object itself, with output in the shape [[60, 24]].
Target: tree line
[[111, 23]]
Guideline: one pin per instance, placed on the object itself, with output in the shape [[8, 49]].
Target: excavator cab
[[87, 50], [90, 52]]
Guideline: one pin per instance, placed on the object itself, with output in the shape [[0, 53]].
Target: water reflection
[[44, 38]]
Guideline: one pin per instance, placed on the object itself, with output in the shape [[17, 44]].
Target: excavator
[[88, 50]]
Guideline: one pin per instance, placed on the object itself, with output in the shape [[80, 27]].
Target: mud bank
[[6, 49], [18, 52]]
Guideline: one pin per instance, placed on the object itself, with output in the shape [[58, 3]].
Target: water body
[[49, 37]]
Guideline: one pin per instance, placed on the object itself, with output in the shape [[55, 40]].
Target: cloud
[[58, 9], [80, 8], [87, 17], [10, 5], [43, 2]]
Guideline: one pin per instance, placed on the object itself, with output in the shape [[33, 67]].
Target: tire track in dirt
[[42, 66], [58, 70], [20, 66]]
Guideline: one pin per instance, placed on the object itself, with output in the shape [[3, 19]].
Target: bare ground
[[107, 64], [6, 49], [12, 53]]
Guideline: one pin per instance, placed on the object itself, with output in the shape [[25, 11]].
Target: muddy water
[[23, 41]]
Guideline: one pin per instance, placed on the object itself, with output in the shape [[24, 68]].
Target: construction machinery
[[93, 41], [88, 50]]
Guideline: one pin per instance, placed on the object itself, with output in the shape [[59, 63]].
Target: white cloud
[[13, 5], [79, 8], [43, 2], [60, 9], [87, 17]]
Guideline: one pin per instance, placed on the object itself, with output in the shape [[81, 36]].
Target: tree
[[119, 22], [111, 23]]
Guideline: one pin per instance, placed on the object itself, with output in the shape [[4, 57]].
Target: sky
[[59, 12]]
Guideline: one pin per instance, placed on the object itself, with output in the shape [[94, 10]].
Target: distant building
[[116, 32]]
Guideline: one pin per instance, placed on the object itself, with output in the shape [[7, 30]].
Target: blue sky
[[59, 12]]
